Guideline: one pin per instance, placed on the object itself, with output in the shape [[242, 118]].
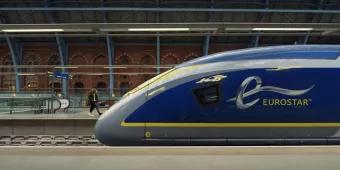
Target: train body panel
[[108, 128], [247, 96], [266, 96]]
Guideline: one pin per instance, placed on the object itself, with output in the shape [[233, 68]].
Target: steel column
[[306, 38], [111, 56], [206, 45], [63, 54], [16, 53], [255, 41], [257, 38], [303, 40], [158, 55]]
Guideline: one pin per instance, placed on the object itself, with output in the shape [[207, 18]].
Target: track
[[49, 140]]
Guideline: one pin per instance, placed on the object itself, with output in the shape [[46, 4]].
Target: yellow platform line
[[216, 125]]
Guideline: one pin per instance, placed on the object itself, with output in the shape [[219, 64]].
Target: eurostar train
[[257, 96]]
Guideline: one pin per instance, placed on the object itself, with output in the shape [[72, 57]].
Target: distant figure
[[93, 101]]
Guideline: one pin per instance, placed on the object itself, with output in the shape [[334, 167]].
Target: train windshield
[[148, 82], [167, 76]]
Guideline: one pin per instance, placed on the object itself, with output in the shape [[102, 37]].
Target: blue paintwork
[[317, 84], [330, 52], [324, 107]]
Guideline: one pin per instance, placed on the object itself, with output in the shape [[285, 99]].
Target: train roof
[[327, 52]]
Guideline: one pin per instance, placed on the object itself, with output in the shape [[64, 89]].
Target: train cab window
[[208, 95]]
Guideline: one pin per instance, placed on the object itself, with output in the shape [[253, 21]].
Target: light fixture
[[330, 31], [162, 67], [65, 67], [155, 29], [113, 29], [32, 30], [158, 29], [26, 74], [95, 74], [78, 30], [237, 29], [282, 29], [203, 29], [114, 67]]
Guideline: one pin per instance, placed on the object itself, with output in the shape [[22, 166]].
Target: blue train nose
[[108, 129], [102, 131]]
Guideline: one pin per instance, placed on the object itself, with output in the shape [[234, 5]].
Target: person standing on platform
[[93, 101]]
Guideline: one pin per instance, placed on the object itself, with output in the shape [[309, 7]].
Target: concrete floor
[[170, 158]]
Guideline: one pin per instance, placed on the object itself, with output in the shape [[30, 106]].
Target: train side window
[[208, 95]]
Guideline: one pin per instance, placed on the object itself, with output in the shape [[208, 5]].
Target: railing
[[24, 101], [41, 101]]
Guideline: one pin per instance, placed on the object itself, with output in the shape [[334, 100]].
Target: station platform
[[169, 158], [27, 124], [79, 114]]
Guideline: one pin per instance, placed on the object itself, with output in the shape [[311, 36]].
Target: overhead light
[[328, 32], [162, 67], [155, 29], [203, 29], [26, 74], [78, 30], [95, 74], [65, 67], [32, 30], [114, 67], [158, 29], [237, 29], [282, 29], [113, 29]]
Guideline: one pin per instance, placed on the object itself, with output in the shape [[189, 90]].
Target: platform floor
[[170, 158], [79, 114]]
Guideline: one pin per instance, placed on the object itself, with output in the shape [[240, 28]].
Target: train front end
[[109, 129]]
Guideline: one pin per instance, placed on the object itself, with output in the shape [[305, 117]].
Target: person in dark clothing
[[93, 101]]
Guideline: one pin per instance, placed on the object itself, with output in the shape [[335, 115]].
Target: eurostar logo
[[242, 93], [215, 78]]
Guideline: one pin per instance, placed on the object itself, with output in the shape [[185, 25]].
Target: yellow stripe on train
[[216, 125]]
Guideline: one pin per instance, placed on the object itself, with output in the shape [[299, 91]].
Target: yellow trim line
[[216, 125]]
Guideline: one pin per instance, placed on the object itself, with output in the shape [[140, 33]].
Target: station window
[[208, 95]]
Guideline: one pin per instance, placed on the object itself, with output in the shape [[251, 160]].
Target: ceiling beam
[[134, 9], [193, 26], [240, 34]]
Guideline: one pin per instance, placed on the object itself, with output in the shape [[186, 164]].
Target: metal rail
[[86, 66], [178, 34], [49, 140], [79, 73]]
